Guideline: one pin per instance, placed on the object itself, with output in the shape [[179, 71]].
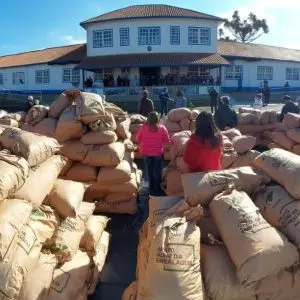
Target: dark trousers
[[164, 108], [154, 169], [213, 106]]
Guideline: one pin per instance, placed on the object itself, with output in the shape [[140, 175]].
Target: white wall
[[250, 73], [56, 78], [165, 46]]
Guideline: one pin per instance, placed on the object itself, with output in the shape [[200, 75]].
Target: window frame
[[101, 33], [100, 73], [262, 75], [192, 41], [234, 71], [18, 77], [43, 76], [149, 43], [1, 79], [293, 76], [123, 30], [71, 75], [171, 35]]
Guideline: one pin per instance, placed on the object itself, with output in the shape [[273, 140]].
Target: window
[[124, 36], [102, 38], [99, 74], [18, 78], [193, 71], [199, 36], [234, 72], [175, 70], [175, 35], [1, 79], [149, 35], [42, 76], [71, 75], [203, 72], [292, 73], [264, 73]]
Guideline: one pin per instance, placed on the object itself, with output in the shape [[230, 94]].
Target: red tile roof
[[150, 11], [43, 56], [145, 60]]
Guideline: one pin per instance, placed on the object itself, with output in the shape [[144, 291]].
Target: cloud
[[66, 38]]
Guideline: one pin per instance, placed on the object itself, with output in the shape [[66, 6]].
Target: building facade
[[151, 45]]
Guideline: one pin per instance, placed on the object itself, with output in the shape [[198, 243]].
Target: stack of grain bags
[[43, 223], [95, 138], [12, 119]]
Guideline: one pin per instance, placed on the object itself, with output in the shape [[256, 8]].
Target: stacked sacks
[[178, 119], [12, 119], [136, 122]]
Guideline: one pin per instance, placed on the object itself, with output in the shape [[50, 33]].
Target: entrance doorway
[[149, 76]]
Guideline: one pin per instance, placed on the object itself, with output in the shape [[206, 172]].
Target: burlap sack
[[296, 149], [46, 127], [18, 116], [179, 143], [249, 110], [9, 122], [36, 114], [181, 165], [282, 140], [281, 127], [128, 207], [89, 107], [3, 113], [273, 117], [137, 119], [105, 155], [65, 197], [291, 120], [202, 187], [70, 279], [104, 123], [283, 167], [82, 173], [58, 106], [41, 181], [119, 197], [248, 119], [185, 124], [243, 144], [228, 158], [130, 292], [171, 126], [172, 182], [174, 260], [134, 128], [24, 252], [14, 172], [67, 125], [281, 211], [38, 281], [14, 214], [245, 159], [74, 150], [274, 145], [270, 127], [194, 114], [259, 244], [265, 117], [112, 108], [123, 129], [66, 239], [294, 134], [231, 133], [250, 129], [67, 167], [33, 147], [114, 175], [99, 138], [177, 114], [219, 276]]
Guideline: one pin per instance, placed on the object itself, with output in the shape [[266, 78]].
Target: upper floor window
[[101, 73], [149, 35], [234, 72], [175, 35], [199, 36], [1, 79], [102, 38], [292, 73], [264, 73], [124, 36], [71, 75], [42, 76], [18, 78]]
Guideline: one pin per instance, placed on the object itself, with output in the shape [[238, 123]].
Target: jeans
[[164, 108], [154, 169], [213, 105]]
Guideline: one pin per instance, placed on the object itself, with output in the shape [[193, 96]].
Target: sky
[[38, 24]]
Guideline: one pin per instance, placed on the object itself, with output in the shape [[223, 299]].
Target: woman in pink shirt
[[152, 137]]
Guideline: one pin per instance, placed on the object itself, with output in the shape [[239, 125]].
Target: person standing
[[152, 137], [30, 103], [180, 100], [266, 93], [213, 94], [204, 148], [289, 107], [164, 98], [146, 104], [225, 116]]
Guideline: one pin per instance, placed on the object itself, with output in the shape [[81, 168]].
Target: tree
[[245, 31]]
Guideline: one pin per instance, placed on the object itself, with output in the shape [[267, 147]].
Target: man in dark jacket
[[146, 105], [289, 107], [30, 103], [213, 99], [225, 116], [164, 98]]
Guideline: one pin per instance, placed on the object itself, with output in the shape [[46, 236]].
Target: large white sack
[[253, 244]]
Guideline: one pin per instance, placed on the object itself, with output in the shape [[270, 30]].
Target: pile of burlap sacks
[[12, 119], [236, 153], [94, 136], [249, 233], [51, 246]]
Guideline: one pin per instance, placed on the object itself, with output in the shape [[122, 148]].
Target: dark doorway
[[149, 76]]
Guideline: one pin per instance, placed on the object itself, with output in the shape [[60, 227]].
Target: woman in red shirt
[[204, 148], [152, 137]]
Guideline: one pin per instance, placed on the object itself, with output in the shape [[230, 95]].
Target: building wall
[[56, 78], [164, 47]]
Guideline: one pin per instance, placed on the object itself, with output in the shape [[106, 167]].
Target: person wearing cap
[[146, 104], [225, 116], [289, 107]]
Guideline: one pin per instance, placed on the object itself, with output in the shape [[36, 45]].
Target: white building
[[151, 45]]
